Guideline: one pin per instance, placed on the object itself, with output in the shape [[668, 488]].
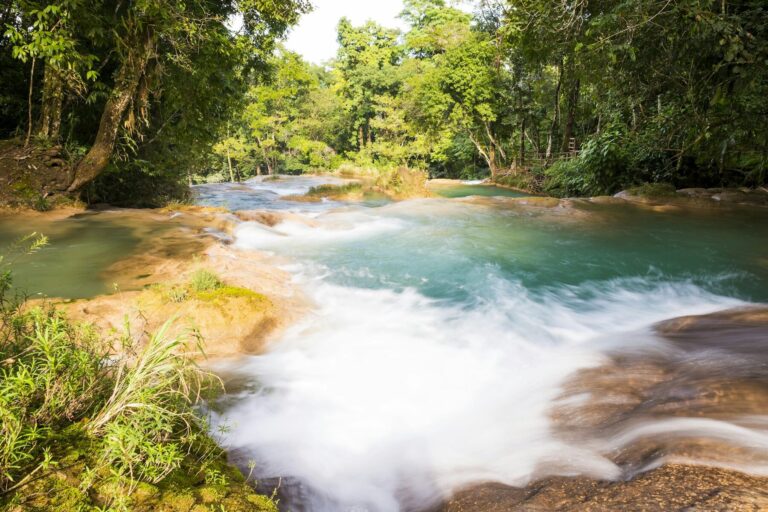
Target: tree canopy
[[567, 97], [124, 81]]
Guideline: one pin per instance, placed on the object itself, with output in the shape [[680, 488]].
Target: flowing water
[[447, 335], [460, 340]]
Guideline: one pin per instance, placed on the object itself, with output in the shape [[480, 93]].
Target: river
[[452, 339], [445, 330]]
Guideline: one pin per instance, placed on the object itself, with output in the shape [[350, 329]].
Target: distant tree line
[[572, 97]]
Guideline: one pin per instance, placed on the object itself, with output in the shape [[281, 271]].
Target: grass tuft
[[204, 281], [335, 190]]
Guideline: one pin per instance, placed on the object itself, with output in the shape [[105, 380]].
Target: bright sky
[[315, 35]]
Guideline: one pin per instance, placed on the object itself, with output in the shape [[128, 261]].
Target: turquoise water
[[79, 251], [451, 250], [443, 330], [465, 190]]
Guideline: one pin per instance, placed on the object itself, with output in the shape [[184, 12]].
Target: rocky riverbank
[[182, 269], [644, 412], [255, 301]]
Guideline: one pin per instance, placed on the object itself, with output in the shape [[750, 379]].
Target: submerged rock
[[700, 197]]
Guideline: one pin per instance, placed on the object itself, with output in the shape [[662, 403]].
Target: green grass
[[201, 282], [95, 423], [204, 281], [230, 292]]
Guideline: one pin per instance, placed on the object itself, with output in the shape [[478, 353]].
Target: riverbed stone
[[670, 487]]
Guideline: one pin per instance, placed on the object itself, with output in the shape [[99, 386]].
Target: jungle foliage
[[571, 97], [139, 88]]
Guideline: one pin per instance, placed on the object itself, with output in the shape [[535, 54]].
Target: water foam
[[386, 400], [389, 401], [333, 228]]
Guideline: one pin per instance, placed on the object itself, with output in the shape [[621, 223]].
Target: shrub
[[55, 375], [51, 376], [148, 419], [600, 168], [177, 294], [138, 184], [529, 180], [90, 423], [403, 182]]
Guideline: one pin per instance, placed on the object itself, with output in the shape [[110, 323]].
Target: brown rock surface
[[714, 371], [257, 300], [669, 488]]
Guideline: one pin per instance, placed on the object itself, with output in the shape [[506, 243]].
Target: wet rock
[[679, 420], [267, 218], [702, 197], [239, 318], [670, 487]]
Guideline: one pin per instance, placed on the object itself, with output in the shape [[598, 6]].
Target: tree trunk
[[522, 143], [29, 102], [123, 93], [488, 155], [229, 164], [573, 103], [556, 112], [53, 96], [265, 155], [492, 161]]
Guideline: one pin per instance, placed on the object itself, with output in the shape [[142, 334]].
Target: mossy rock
[[231, 292], [49, 494], [302, 199], [653, 190], [347, 191], [210, 494], [177, 501], [184, 490]]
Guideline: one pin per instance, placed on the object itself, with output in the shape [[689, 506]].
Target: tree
[[464, 93], [139, 42], [47, 33], [367, 62]]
